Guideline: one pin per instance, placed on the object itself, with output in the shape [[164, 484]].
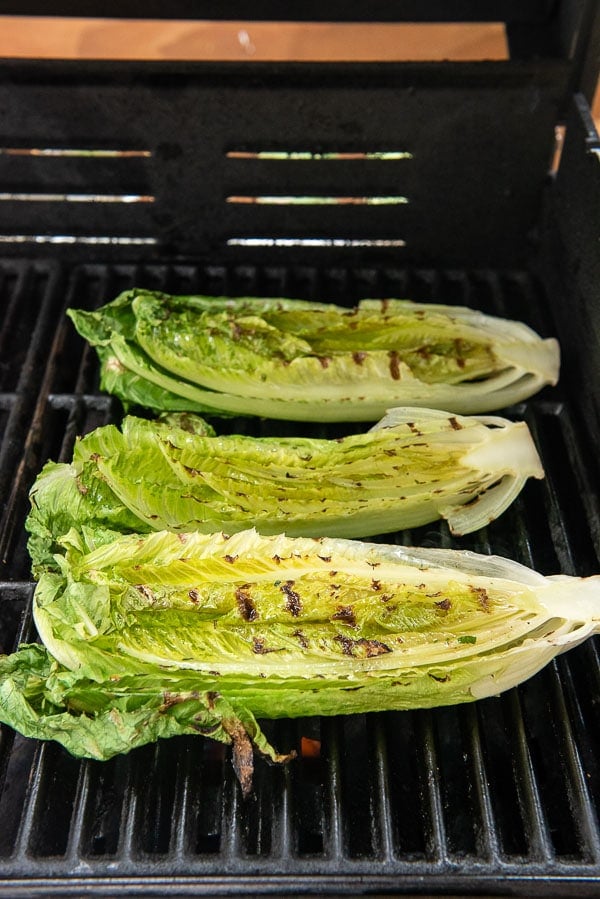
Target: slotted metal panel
[[391, 161], [497, 797]]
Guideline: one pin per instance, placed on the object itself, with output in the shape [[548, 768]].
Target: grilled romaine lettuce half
[[300, 360], [157, 634], [413, 467]]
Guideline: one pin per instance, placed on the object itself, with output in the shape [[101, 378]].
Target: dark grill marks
[[236, 331], [293, 603], [361, 648], [302, 639], [245, 603], [258, 646], [482, 597], [145, 591], [346, 615], [394, 365], [459, 348]]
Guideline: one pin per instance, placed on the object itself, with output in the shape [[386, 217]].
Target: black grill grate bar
[[77, 407], [182, 823], [334, 836], [382, 789], [16, 587], [30, 814], [12, 458], [518, 295], [15, 300], [282, 828], [88, 356], [538, 836], [231, 833], [25, 285], [74, 850], [569, 499], [593, 670], [552, 510], [487, 834], [437, 843], [583, 469], [528, 300], [584, 812], [582, 696], [72, 428], [19, 414], [596, 651], [127, 830], [7, 401], [81, 402], [498, 294], [26, 632], [522, 537]]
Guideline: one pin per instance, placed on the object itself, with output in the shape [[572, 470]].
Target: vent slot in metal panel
[[63, 190]]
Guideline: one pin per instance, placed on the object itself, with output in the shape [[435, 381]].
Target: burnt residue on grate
[[466, 799]]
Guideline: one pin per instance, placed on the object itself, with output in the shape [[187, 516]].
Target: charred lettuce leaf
[[284, 626], [299, 360], [150, 636], [413, 467]]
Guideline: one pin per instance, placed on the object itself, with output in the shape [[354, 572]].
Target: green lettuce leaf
[[293, 626], [150, 636], [311, 361], [175, 474], [98, 720]]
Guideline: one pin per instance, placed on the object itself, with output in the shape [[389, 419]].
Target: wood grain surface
[[142, 39], [52, 37]]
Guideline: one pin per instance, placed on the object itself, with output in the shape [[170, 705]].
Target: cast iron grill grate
[[498, 796]]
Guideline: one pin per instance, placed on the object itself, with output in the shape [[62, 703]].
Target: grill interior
[[498, 796]]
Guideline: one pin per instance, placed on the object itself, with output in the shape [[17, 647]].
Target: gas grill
[[433, 181]]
